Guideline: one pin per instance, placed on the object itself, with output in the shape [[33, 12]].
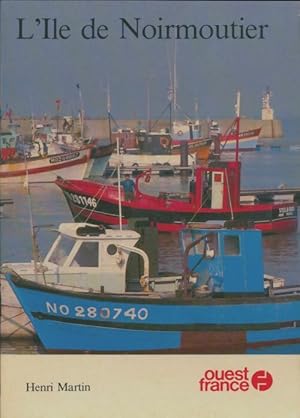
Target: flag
[[8, 114], [57, 101]]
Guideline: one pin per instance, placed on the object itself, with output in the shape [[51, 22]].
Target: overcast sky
[[35, 72]]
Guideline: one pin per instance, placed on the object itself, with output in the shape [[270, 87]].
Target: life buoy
[[164, 141], [179, 133]]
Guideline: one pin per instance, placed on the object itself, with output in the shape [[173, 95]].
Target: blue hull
[[66, 321]]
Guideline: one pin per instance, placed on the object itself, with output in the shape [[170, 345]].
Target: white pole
[[238, 104], [119, 184]]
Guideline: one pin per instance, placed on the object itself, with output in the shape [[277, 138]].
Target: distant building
[[267, 113]]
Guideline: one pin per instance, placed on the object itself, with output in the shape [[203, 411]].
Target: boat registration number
[[101, 313], [62, 158], [286, 211], [82, 200]]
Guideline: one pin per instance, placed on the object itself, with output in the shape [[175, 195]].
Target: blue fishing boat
[[222, 303]]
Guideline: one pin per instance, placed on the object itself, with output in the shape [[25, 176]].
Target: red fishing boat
[[214, 196]]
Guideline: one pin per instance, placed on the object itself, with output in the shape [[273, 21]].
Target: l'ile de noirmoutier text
[[136, 28]]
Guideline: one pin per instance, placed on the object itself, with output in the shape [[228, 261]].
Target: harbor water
[[269, 167]]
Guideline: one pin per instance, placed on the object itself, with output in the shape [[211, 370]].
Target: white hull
[[129, 160], [70, 165], [244, 144]]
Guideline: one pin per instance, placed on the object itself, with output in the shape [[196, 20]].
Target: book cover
[[119, 66]]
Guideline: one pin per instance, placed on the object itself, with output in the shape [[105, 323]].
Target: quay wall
[[99, 128]]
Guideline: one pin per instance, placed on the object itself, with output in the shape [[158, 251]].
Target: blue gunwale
[[167, 326], [142, 298]]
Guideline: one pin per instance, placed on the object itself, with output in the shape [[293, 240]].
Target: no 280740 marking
[[99, 313]]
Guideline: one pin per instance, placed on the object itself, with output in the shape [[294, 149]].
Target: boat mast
[[172, 93], [119, 183], [27, 188], [57, 101], [81, 111], [148, 105], [237, 112], [118, 156], [175, 81], [108, 112]]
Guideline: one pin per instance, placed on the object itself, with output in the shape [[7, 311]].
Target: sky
[[35, 71]]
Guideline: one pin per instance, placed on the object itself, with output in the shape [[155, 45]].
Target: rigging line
[[185, 114], [23, 327], [229, 194], [160, 116], [198, 210], [86, 206], [98, 200], [200, 207], [6, 318]]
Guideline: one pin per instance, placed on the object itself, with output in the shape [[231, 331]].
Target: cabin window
[[210, 241], [212, 244], [199, 248], [186, 238], [62, 251], [231, 245], [87, 255]]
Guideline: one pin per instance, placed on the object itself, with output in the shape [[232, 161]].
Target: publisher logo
[[262, 380], [240, 380]]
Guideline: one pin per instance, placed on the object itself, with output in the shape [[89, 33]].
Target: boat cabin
[[8, 142], [225, 261], [153, 143], [87, 258], [92, 257], [217, 186], [7, 145]]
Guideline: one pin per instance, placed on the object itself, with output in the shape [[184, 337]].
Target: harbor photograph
[[150, 187]]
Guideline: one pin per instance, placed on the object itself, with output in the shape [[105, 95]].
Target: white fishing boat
[[42, 158]]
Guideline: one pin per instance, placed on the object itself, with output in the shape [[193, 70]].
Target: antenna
[[148, 106], [118, 155], [108, 111], [27, 188], [81, 110], [119, 184], [237, 112]]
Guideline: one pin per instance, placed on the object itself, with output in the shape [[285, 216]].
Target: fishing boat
[[191, 131], [214, 195], [81, 272], [220, 304], [151, 148], [42, 158]]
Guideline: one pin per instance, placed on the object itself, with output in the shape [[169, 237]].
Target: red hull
[[168, 214]]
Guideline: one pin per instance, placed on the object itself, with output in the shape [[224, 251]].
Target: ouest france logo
[[240, 380]]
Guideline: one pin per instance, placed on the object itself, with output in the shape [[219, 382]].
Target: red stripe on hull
[[45, 168], [278, 226]]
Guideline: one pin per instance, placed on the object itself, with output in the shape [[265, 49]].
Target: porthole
[[111, 249]]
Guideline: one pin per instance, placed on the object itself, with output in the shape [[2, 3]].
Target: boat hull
[[75, 164], [14, 322], [134, 160], [247, 141], [168, 215], [66, 321]]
